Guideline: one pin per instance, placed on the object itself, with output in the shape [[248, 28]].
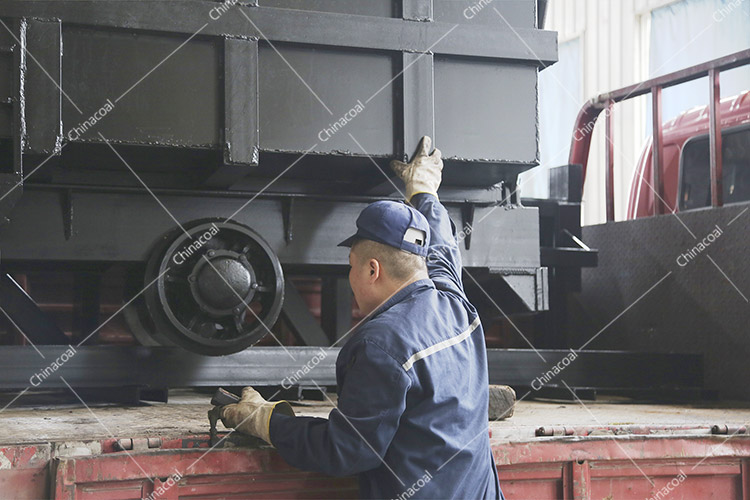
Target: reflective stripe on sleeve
[[441, 345]]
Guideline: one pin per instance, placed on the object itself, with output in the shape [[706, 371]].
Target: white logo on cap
[[415, 236]]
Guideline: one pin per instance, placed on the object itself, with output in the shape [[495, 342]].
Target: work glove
[[252, 415], [423, 173]]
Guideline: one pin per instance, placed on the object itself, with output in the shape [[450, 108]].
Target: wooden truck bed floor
[[42, 420], [611, 450]]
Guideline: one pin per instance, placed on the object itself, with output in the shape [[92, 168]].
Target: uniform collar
[[402, 294]]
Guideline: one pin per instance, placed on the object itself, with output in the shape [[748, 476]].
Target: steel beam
[[418, 79], [657, 151], [300, 319], [43, 97], [241, 131], [123, 225], [609, 160], [417, 10], [303, 27], [596, 369], [714, 127], [114, 366], [12, 110]]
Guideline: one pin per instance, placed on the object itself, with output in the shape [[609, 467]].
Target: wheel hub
[[222, 281]]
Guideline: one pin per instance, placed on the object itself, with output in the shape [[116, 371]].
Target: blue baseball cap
[[395, 224]]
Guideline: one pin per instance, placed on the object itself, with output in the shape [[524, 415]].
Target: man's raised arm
[[422, 176]]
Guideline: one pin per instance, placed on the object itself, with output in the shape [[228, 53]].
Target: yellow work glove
[[423, 173], [252, 415]]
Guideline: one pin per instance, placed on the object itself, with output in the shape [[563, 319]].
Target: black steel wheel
[[217, 287], [136, 313]]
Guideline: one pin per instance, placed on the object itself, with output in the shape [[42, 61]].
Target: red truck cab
[[685, 166]]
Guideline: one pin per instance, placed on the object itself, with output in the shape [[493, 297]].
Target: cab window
[[695, 183]]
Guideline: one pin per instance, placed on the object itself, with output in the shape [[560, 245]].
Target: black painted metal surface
[[254, 83], [122, 225], [300, 319], [217, 288], [109, 366], [665, 299], [25, 315], [138, 117]]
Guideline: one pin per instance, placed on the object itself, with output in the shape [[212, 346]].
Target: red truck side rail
[[587, 117]]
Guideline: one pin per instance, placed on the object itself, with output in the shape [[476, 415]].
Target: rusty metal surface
[[82, 458], [24, 471], [544, 470], [217, 474]]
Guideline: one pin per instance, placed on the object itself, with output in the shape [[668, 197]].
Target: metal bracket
[[287, 204], [467, 223], [67, 210], [300, 319], [25, 314]]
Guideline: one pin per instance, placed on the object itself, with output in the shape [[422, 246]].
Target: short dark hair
[[399, 264]]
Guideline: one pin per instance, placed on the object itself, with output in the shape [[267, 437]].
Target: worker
[[411, 419]]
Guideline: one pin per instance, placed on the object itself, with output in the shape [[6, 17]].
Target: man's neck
[[397, 287]]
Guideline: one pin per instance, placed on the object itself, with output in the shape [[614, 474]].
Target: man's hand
[[252, 415], [423, 173]]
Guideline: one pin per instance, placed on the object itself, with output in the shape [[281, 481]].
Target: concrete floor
[[35, 420]]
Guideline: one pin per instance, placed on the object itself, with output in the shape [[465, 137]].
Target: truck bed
[[44, 419], [614, 449]]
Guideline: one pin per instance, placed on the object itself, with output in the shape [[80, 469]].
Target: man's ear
[[374, 269]]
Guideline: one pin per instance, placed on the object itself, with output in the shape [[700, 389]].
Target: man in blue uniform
[[411, 420]]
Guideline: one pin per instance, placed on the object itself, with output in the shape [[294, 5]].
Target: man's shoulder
[[381, 332], [375, 344]]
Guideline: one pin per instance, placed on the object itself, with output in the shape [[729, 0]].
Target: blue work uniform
[[411, 420]]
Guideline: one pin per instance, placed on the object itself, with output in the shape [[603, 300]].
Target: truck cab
[[685, 167]]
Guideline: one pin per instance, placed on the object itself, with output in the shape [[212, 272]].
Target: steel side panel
[[514, 12], [177, 105], [228, 472], [696, 308], [311, 105], [121, 227], [24, 472], [378, 8], [475, 99], [173, 95], [615, 469], [637, 468]]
